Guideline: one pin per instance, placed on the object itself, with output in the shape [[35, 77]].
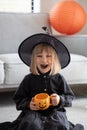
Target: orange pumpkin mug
[[42, 100]]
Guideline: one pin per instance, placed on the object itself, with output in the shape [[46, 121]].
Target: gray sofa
[[14, 28]]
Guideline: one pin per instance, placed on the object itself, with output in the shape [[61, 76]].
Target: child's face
[[44, 61]]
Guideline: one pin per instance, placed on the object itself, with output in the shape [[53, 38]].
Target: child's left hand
[[55, 99]]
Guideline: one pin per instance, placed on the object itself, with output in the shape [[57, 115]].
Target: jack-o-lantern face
[[42, 105], [42, 100]]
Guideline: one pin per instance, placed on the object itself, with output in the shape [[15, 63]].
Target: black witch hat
[[26, 47]]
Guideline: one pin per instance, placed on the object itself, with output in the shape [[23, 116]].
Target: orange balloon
[[67, 17]]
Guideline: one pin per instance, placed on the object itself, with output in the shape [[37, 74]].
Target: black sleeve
[[67, 95], [21, 96]]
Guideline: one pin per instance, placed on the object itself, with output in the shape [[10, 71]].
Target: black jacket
[[33, 84], [52, 118]]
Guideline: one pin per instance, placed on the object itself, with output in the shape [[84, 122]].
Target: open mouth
[[44, 66], [42, 107]]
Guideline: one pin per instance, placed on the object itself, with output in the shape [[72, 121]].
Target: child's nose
[[44, 59]]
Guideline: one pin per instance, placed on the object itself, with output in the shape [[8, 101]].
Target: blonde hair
[[55, 68]]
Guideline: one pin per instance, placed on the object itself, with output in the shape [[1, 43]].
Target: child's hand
[[55, 99], [33, 106]]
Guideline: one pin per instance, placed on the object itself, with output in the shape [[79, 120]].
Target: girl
[[46, 56]]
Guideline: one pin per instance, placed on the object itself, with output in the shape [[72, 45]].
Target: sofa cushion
[[1, 72], [15, 70], [76, 71]]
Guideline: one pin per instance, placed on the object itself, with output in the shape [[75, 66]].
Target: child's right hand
[[33, 105]]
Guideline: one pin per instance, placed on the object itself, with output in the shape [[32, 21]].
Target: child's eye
[[49, 55], [39, 55]]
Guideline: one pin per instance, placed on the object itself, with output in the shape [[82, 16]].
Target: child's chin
[[44, 71]]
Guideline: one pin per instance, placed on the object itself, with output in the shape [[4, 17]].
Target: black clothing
[[52, 118]]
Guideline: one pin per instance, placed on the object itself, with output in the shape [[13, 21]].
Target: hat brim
[[26, 47]]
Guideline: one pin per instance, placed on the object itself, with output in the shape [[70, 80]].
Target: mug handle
[[50, 101]]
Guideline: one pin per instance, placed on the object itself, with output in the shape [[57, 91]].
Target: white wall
[[15, 27]]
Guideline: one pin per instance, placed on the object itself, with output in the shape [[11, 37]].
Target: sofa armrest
[[14, 68], [1, 72], [76, 71]]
